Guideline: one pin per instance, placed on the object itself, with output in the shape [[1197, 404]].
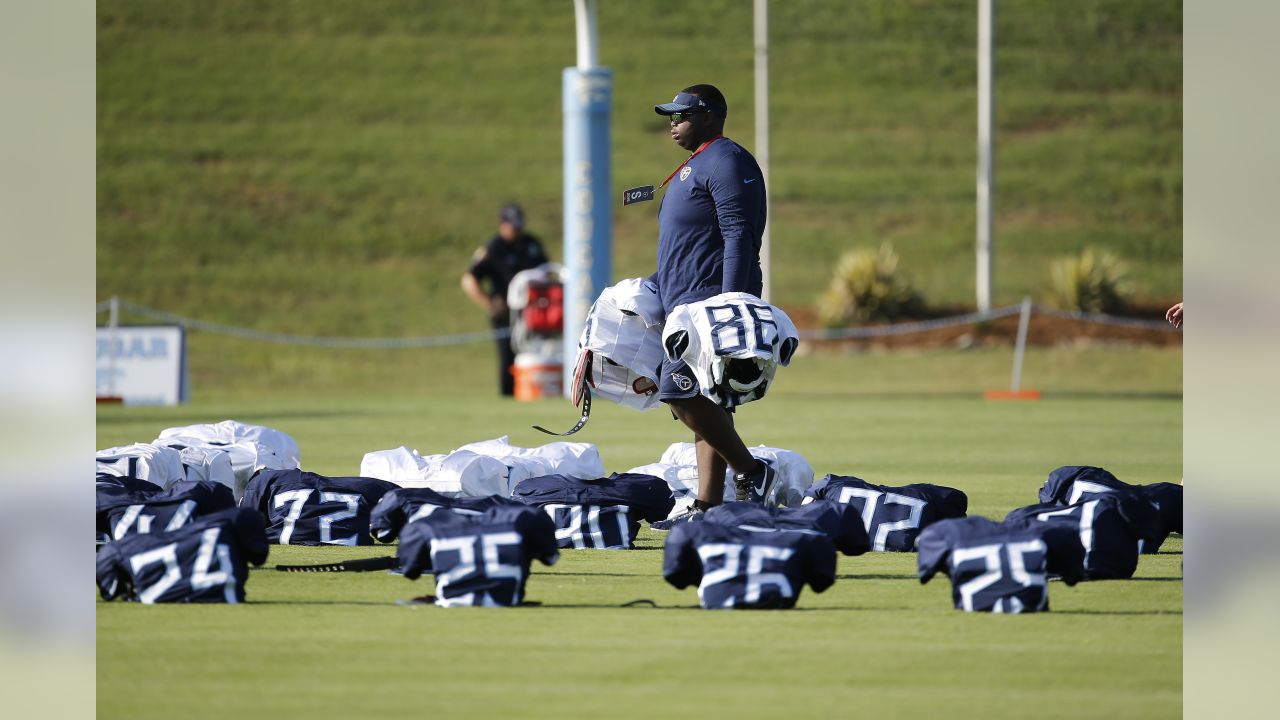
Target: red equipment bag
[[544, 311]]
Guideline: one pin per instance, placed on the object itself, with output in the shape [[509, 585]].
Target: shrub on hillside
[[868, 285], [1093, 281]]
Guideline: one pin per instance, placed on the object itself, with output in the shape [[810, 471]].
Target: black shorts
[[677, 381]]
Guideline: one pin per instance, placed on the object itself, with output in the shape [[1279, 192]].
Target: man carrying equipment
[[710, 225], [506, 254]]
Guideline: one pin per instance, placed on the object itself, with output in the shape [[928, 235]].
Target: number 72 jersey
[[1000, 567], [303, 508], [893, 516]]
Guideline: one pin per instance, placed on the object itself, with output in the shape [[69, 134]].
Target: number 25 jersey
[[480, 560], [1000, 567]]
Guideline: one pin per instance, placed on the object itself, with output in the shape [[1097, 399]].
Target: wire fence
[[437, 341]]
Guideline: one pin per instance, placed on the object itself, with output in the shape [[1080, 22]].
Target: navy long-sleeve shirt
[[710, 226]]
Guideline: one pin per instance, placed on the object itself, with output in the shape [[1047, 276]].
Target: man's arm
[[472, 288], [738, 192]]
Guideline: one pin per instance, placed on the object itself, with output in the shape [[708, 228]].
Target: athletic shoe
[[693, 514], [760, 485]]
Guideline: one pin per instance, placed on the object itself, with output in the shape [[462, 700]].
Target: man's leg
[[506, 358], [711, 469], [716, 443]]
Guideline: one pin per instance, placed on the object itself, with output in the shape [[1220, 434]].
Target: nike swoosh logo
[[744, 182], [759, 490]]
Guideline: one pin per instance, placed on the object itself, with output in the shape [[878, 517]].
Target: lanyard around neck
[[701, 147]]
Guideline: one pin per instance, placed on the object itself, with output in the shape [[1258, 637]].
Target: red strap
[[701, 147]]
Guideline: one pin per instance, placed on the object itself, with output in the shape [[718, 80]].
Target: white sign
[[144, 364]]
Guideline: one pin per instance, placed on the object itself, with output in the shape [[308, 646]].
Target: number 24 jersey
[[203, 561]]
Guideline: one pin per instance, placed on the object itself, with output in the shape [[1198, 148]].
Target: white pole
[[986, 150], [1024, 318], [584, 14], [587, 101], [113, 322], [762, 128]]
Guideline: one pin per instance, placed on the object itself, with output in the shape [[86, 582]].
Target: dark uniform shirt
[[499, 261], [710, 226]]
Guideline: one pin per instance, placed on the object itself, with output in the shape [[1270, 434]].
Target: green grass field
[[875, 643], [328, 167]]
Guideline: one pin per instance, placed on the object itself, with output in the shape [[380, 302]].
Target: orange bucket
[[537, 377]]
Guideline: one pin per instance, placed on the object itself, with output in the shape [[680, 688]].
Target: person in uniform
[[486, 281]]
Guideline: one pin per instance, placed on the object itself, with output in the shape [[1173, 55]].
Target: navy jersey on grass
[[738, 567], [1111, 529], [402, 506], [840, 522], [1000, 567], [604, 513], [120, 514], [892, 516], [303, 508], [1070, 484], [480, 560], [204, 561]]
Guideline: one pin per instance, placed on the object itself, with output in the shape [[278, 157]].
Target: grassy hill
[[327, 167]]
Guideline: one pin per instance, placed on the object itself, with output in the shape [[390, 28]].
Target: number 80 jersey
[[303, 508]]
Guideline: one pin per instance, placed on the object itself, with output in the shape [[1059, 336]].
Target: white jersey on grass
[[484, 468], [733, 343], [623, 332], [206, 463], [250, 447], [154, 463], [279, 443], [457, 474], [679, 468]]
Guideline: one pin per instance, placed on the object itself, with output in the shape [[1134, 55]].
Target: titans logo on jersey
[[604, 513], [303, 508], [1000, 567], [203, 561], [747, 567], [121, 514], [1111, 526], [1071, 484], [478, 560], [402, 506], [842, 523], [892, 516]]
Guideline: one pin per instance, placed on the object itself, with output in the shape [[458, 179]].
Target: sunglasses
[[679, 117]]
